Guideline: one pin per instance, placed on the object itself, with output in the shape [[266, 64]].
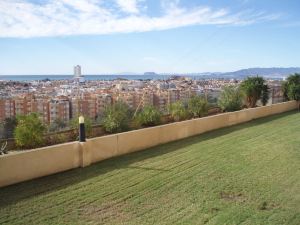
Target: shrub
[[116, 117], [29, 132], [198, 106], [230, 99], [56, 139], [178, 111], [149, 116]]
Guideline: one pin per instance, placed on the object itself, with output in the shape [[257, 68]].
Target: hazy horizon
[[142, 73]]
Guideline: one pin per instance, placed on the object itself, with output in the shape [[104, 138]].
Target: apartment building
[[22, 106], [59, 109], [102, 101], [160, 100], [173, 95], [84, 106], [7, 108], [185, 95], [126, 97], [2, 109], [41, 106], [143, 98]]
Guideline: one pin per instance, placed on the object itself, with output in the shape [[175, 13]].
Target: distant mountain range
[[267, 72], [274, 72]]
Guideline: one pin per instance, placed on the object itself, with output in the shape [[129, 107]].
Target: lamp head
[[81, 119]]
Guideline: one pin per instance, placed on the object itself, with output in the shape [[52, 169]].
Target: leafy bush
[[29, 132], [116, 117], [252, 88], [56, 139], [198, 106], [230, 99], [149, 116], [178, 111]]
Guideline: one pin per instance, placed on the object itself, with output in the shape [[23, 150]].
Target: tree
[[178, 111], [149, 116], [252, 88], [9, 126], [291, 88], [265, 94], [116, 117], [230, 99], [29, 132], [198, 106], [284, 88]]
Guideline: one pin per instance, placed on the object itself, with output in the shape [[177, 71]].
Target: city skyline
[[160, 36]]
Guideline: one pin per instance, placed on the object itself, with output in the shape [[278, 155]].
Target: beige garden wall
[[31, 164], [17, 167]]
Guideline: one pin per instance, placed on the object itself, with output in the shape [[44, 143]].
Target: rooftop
[[247, 173]]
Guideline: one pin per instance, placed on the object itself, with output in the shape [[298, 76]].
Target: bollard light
[[81, 129], [81, 119]]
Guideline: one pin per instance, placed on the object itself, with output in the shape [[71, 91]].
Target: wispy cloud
[[22, 18], [128, 6]]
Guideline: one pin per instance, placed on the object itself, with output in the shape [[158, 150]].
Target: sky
[[135, 36]]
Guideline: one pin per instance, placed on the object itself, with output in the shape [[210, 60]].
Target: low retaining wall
[[21, 166], [31, 164]]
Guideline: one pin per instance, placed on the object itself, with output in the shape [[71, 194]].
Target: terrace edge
[[31, 164]]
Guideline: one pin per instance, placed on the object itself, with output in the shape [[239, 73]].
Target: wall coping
[[37, 149]]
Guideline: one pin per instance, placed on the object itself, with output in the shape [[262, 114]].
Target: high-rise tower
[[77, 74], [77, 71]]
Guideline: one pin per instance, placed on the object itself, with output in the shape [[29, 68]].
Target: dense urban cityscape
[[66, 99]]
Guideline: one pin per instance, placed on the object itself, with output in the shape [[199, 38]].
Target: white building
[[77, 71], [77, 74]]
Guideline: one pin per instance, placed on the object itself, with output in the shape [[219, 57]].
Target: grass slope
[[245, 174]]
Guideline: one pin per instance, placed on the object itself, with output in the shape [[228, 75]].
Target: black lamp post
[[81, 129]]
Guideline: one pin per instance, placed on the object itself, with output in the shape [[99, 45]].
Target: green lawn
[[245, 174]]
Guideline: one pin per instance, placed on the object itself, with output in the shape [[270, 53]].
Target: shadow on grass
[[18, 192]]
